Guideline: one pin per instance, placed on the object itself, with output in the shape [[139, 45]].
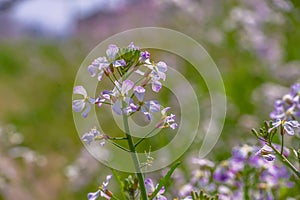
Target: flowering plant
[[250, 173], [126, 97]]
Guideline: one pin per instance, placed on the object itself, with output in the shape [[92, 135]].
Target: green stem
[[246, 185], [142, 139], [282, 140], [285, 161], [134, 157], [119, 182], [117, 145], [118, 138]]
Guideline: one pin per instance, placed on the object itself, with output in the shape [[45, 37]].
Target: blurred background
[[254, 43]]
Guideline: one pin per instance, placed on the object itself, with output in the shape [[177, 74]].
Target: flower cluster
[[244, 172], [286, 110], [128, 95]]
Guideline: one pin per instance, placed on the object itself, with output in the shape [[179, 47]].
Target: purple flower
[[157, 73], [266, 152], [120, 92], [288, 126], [104, 96], [92, 135], [223, 174], [103, 192], [146, 107], [279, 111], [167, 120], [112, 51], [139, 92], [119, 63], [242, 153], [131, 46], [144, 56], [295, 89], [99, 65], [150, 189], [78, 105]]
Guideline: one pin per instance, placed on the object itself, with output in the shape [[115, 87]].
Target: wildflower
[[79, 104], [150, 189], [146, 107], [288, 126], [279, 111], [99, 65], [131, 46], [144, 56], [266, 152], [119, 93], [103, 191], [167, 120], [104, 96], [289, 106], [94, 134], [102, 65]]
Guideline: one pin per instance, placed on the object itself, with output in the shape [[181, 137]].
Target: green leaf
[[164, 180]]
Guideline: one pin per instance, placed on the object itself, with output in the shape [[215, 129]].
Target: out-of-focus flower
[[288, 107], [103, 191], [79, 104], [150, 189]]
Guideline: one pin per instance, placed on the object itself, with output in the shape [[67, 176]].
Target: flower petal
[[162, 66], [80, 90], [112, 51], [100, 75], [153, 106], [85, 113], [164, 111], [126, 86], [149, 185], [119, 63], [156, 86], [93, 195], [289, 130], [93, 70], [139, 92], [117, 107], [88, 137], [78, 105]]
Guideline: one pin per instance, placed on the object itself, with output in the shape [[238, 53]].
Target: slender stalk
[[118, 138], [117, 145], [111, 195], [119, 183], [142, 139], [285, 160], [246, 185], [134, 157], [282, 139]]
